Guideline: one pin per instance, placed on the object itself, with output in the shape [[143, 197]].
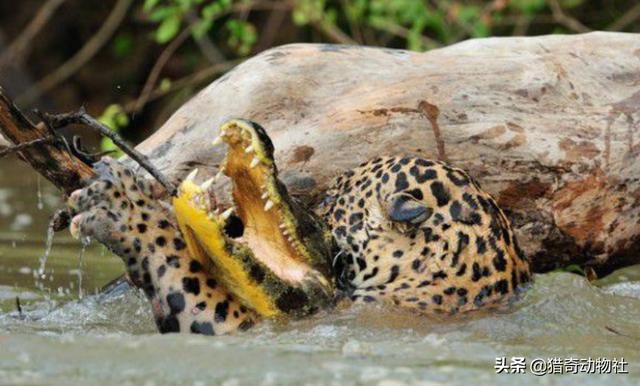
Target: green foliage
[[413, 24], [122, 45], [116, 119], [568, 4], [200, 16], [242, 36], [308, 11]]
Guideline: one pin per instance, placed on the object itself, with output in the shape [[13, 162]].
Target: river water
[[65, 334]]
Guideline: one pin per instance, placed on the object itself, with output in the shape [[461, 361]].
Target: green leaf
[[201, 28], [528, 6], [165, 84], [211, 11], [115, 118], [242, 36], [149, 5], [299, 17], [122, 45], [163, 13], [168, 29]]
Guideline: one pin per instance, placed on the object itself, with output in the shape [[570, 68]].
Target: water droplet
[[39, 204], [80, 261], [40, 272]]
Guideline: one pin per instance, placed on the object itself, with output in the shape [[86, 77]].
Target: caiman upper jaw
[[250, 138], [262, 201]]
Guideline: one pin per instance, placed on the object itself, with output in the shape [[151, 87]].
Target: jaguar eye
[[406, 209]]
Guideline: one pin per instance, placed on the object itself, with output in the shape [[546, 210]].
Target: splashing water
[[562, 316], [40, 272], [39, 203], [86, 241]]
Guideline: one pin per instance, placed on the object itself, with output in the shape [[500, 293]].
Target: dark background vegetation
[[134, 62]]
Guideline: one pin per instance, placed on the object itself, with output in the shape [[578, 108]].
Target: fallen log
[[548, 125]]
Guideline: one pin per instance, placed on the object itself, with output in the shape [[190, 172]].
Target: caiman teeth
[[207, 184], [268, 205], [283, 226], [265, 195], [254, 162], [227, 213], [219, 174], [249, 149], [192, 175], [217, 141]]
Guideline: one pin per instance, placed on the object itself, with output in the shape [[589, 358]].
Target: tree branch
[[15, 148], [17, 50], [566, 20], [86, 53], [629, 17], [56, 121], [332, 32], [188, 80], [51, 159], [154, 74]]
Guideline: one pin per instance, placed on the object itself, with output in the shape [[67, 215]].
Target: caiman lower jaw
[[203, 230], [271, 230], [281, 263]]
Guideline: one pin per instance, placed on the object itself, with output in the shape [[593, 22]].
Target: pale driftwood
[[548, 125]]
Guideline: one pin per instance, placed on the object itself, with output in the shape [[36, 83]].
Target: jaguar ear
[[404, 208]]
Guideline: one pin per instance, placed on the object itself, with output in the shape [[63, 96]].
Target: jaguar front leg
[[118, 210]]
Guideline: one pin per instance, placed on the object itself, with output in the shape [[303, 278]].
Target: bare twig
[[353, 27], [86, 53], [15, 148], [56, 121], [164, 57], [522, 25], [206, 46], [18, 49], [402, 32], [629, 17], [564, 19], [189, 80], [271, 29], [332, 32]]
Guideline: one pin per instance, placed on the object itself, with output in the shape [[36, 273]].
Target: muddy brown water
[[68, 335]]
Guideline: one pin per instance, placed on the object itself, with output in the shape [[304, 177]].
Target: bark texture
[[52, 160], [549, 125]]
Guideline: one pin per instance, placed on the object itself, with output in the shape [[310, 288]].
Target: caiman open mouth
[[281, 262]]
